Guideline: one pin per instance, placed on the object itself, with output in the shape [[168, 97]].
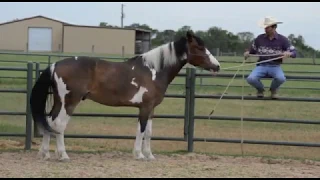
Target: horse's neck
[[169, 73], [165, 75]]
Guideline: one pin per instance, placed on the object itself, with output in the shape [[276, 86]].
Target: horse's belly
[[114, 97]]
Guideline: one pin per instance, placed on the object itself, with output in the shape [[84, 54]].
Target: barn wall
[[14, 36], [83, 39]]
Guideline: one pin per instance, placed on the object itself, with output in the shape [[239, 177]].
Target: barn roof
[[68, 24], [33, 17], [106, 27]]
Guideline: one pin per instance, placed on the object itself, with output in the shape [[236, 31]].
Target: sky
[[298, 17]]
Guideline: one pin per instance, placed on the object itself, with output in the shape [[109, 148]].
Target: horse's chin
[[214, 73]]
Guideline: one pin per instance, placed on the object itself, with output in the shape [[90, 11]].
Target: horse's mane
[[165, 55]]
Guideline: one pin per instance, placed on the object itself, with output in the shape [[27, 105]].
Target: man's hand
[[246, 54], [287, 54]]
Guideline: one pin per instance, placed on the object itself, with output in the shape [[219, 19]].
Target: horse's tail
[[38, 99]]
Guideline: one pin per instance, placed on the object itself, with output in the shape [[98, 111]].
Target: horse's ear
[[189, 35]]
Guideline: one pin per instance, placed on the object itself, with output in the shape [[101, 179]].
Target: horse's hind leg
[[61, 149], [44, 149], [71, 101]]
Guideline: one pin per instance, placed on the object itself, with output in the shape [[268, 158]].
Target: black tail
[[38, 99]]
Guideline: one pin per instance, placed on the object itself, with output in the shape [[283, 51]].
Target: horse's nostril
[[218, 68]]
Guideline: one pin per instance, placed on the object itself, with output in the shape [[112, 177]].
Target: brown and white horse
[[140, 82]]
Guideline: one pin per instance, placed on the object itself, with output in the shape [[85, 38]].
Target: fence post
[[35, 128], [37, 70], [28, 108], [122, 53], [191, 109], [49, 60], [201, 77], [217, 52], [187, 104]]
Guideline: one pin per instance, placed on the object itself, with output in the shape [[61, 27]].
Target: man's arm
[[253, 47], [290, 48], [252, 50]]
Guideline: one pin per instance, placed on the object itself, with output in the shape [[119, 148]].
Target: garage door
[[40, 39]]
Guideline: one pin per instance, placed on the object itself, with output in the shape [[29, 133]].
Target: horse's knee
[[143, 120], [143, 126]]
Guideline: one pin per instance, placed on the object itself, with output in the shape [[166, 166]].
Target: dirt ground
[[118, 164]]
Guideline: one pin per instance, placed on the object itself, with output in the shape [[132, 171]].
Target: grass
[[174, 127]]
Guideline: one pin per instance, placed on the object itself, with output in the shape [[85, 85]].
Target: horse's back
[[81, 62], [77, 72]]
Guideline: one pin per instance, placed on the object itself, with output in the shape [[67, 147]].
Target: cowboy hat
[[268, 21]]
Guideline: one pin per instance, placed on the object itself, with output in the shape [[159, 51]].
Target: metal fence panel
[[189, 116]]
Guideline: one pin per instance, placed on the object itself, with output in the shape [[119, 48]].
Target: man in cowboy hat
[[269, 43]]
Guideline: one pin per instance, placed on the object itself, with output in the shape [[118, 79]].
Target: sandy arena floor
[[26, 165]]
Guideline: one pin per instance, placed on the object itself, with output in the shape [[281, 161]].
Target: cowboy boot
[[274, 94], [260, 94]]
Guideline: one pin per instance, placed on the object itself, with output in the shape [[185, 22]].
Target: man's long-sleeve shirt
[[263, 45]]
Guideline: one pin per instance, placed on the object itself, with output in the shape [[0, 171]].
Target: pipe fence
[[189, 112], [57, 55], [200, 83]]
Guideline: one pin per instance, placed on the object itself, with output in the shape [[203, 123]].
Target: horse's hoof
[[139, 156], [62, 156], [151, 157], [43, 155], [45, 158], [64, 159]]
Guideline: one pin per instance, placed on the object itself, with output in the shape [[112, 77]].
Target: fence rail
[[57, 55], [115, 58], [189, 112]]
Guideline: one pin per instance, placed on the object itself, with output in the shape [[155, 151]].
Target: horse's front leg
[[44, 149], [147, 139], [141, 132]]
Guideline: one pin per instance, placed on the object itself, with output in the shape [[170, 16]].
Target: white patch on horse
[[61, 149], [132, 67], [153, 72], [147, 138], [137, 98], [59, 124], [134, 83], [213, 60], [44, 149], [152, 58], [138, 143], [76, 58], [52, 67], [184, 56]]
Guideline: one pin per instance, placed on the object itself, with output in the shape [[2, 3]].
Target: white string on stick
[[242, 91]]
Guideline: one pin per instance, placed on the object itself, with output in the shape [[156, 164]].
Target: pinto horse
[[140, 82]]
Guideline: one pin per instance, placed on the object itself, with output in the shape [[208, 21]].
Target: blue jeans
[[273, 71]]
